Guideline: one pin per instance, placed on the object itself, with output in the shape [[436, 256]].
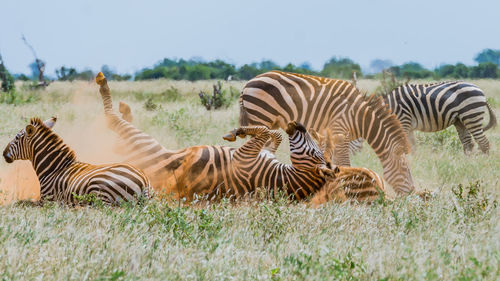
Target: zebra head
[[21, 147], [304, 152], [398, 173]]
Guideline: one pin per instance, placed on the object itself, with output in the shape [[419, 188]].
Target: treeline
[[488, 62], [198, 70], [488, 67]]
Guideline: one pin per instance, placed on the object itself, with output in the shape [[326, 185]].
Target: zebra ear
[[49, 123], [30, 130]]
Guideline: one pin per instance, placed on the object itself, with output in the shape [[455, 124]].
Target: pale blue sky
[[130, 35]]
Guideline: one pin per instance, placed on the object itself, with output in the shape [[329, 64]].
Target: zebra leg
[[465, 137], [479, 136], [251, 148], [275, 141], [341, 155], [411, 139]]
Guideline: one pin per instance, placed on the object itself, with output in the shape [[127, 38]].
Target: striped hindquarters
[[110, 183], [355, 184]]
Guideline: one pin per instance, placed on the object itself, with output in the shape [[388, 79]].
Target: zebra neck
[[52, 156]]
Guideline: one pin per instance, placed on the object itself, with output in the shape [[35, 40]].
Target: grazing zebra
[[349, 183], [435, 107], [275, 98], [251, 168], [62, 177]]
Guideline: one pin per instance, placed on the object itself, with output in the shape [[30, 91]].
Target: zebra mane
[[383, 112], [42, 128]]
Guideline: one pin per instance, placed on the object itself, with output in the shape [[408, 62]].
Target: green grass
[[454, 236]]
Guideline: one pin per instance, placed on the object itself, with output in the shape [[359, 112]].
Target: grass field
[[454, 236]]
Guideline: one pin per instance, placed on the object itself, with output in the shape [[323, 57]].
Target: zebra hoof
[[100, 79], [229, 137]]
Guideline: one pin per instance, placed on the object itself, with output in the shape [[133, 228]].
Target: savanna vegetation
[[453, 236]]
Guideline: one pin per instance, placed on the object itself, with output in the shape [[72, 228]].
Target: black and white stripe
[[435, 107], [61, 176], [251, 168], [275, 98]]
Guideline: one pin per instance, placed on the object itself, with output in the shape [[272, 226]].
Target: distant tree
[[5, 77], [21, 77], [267, 65], [488, 55], [378, 65], [411, 70], [247, 72], [306, 65], [484, 70], [35, 70], [70, 74], [40, 66], [122, 77], [66, 74], [107, 71], [461, 71], [340, 68], [446, 70]]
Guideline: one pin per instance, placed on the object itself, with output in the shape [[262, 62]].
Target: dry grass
[[453, 236]]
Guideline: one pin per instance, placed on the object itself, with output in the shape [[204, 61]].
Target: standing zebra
[[251, 168], [62, 177], [275, 98], [435, 107]]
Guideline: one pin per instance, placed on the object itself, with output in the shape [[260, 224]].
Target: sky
[[131, 35]]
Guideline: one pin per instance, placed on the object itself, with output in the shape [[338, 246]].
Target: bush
[[220, 98]]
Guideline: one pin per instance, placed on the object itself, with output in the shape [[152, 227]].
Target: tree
[[378, 65], [446, 70], [484, 70], [5, 77], [40, 65], [488, 55], [340, 68], [461, 71], [107, 71]]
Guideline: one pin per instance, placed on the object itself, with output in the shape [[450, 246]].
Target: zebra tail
[[493, 119], [243, 113]]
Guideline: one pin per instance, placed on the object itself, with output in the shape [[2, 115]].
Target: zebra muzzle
[[7, 157]]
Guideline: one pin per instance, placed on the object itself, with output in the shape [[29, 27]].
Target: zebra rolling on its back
[[185, 172], [61, 176], [251, 168], [274, 98], [435, 107]]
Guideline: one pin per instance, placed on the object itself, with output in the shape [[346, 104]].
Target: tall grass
[[454, 236]]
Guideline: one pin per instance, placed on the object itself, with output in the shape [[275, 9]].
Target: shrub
[[220, 98]]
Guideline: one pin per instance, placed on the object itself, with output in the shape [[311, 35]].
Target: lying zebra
[[349, 183], [210, 170], [63, 178], [251, 168]]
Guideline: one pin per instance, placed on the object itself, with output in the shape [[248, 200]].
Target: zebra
[[435, 107], [184, 173], [274, 98], [251, 168], [349, 183], [63, 178]]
